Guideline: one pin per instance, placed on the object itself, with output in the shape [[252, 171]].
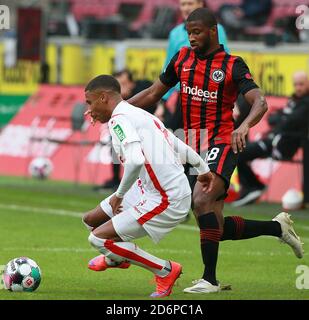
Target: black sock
[[210, 236], [237, 228]]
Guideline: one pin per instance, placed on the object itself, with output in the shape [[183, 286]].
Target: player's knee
[[87, 221], [203, 204]]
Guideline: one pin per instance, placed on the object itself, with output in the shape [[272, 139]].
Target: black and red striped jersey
[[209, 87]]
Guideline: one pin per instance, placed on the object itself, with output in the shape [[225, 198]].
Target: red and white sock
[[128, 251]]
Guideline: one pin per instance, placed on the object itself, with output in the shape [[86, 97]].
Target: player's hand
[[92, 119], [115, 203], [207, 181], [239, 138]]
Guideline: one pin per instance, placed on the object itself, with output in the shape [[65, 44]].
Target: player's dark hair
[[204, 15], [103, 81], [124, 71]]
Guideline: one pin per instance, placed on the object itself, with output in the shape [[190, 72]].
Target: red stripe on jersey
[[207, 101], [184, 73], [164, 200], [195, 110], [213, 86], [184, 55], [163, 130], [230, 93], [222, 158], [111, 246]]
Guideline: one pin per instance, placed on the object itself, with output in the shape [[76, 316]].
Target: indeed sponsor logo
[[195, 91]]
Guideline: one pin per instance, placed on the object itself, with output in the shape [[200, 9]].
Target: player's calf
[[108, 259]]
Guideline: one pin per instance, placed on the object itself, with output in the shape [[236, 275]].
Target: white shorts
[[143, 214]]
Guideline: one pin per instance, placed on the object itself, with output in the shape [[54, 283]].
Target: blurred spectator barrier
[[46, 127], [76, 63], [279, 176]]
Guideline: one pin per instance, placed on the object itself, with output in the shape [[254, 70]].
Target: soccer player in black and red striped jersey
[[210, 81]]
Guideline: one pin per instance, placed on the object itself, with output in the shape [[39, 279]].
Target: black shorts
[[222, 161]]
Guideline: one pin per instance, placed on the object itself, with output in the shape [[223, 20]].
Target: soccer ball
[[40, 168], [21, 274]]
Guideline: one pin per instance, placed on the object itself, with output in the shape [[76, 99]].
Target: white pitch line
[[76, 250], [51, 249], [66, 213], [76, 214], [58, 212], [303, 227], [155, 250]]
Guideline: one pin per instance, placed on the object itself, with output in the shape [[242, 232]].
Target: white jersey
[[163, 174]]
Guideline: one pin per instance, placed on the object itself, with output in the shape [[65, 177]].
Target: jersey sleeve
[[169, 76], [242, 77], [122, 130]]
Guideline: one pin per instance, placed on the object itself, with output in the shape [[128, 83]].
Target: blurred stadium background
[[52, 48]]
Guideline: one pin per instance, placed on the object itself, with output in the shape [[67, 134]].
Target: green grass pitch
[[42, 220]]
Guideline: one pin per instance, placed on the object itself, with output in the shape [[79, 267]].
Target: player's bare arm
[[149, 96], [259, 107]]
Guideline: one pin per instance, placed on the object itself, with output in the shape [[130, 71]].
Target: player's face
[[301, 87], [200, 36], [97, 105], [188, 6]]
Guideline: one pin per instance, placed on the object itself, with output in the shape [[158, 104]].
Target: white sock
[[87, 225], [128, 251]]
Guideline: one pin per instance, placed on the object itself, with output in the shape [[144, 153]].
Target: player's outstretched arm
[[259, 107], [134, 160], [149, 96], [188, 155]]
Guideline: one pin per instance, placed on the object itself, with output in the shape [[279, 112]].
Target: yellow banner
[[102, 61], [73, 64], [273, 72], [145, 63], [52, 61], [21, 79]]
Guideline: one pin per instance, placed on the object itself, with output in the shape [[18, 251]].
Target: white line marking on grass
[[76, 250], [68, 213], [302, 227], [188, 227], [155, 250], [58, 212], [51, 249], [78, 215]]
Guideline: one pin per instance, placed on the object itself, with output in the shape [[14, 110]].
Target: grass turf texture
[[41, 220]]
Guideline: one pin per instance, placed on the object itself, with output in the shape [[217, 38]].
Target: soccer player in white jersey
[[153, 196]]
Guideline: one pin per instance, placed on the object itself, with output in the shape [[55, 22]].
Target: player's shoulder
[[236, 58], [236, 62], [124, 113], [184, 51]]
